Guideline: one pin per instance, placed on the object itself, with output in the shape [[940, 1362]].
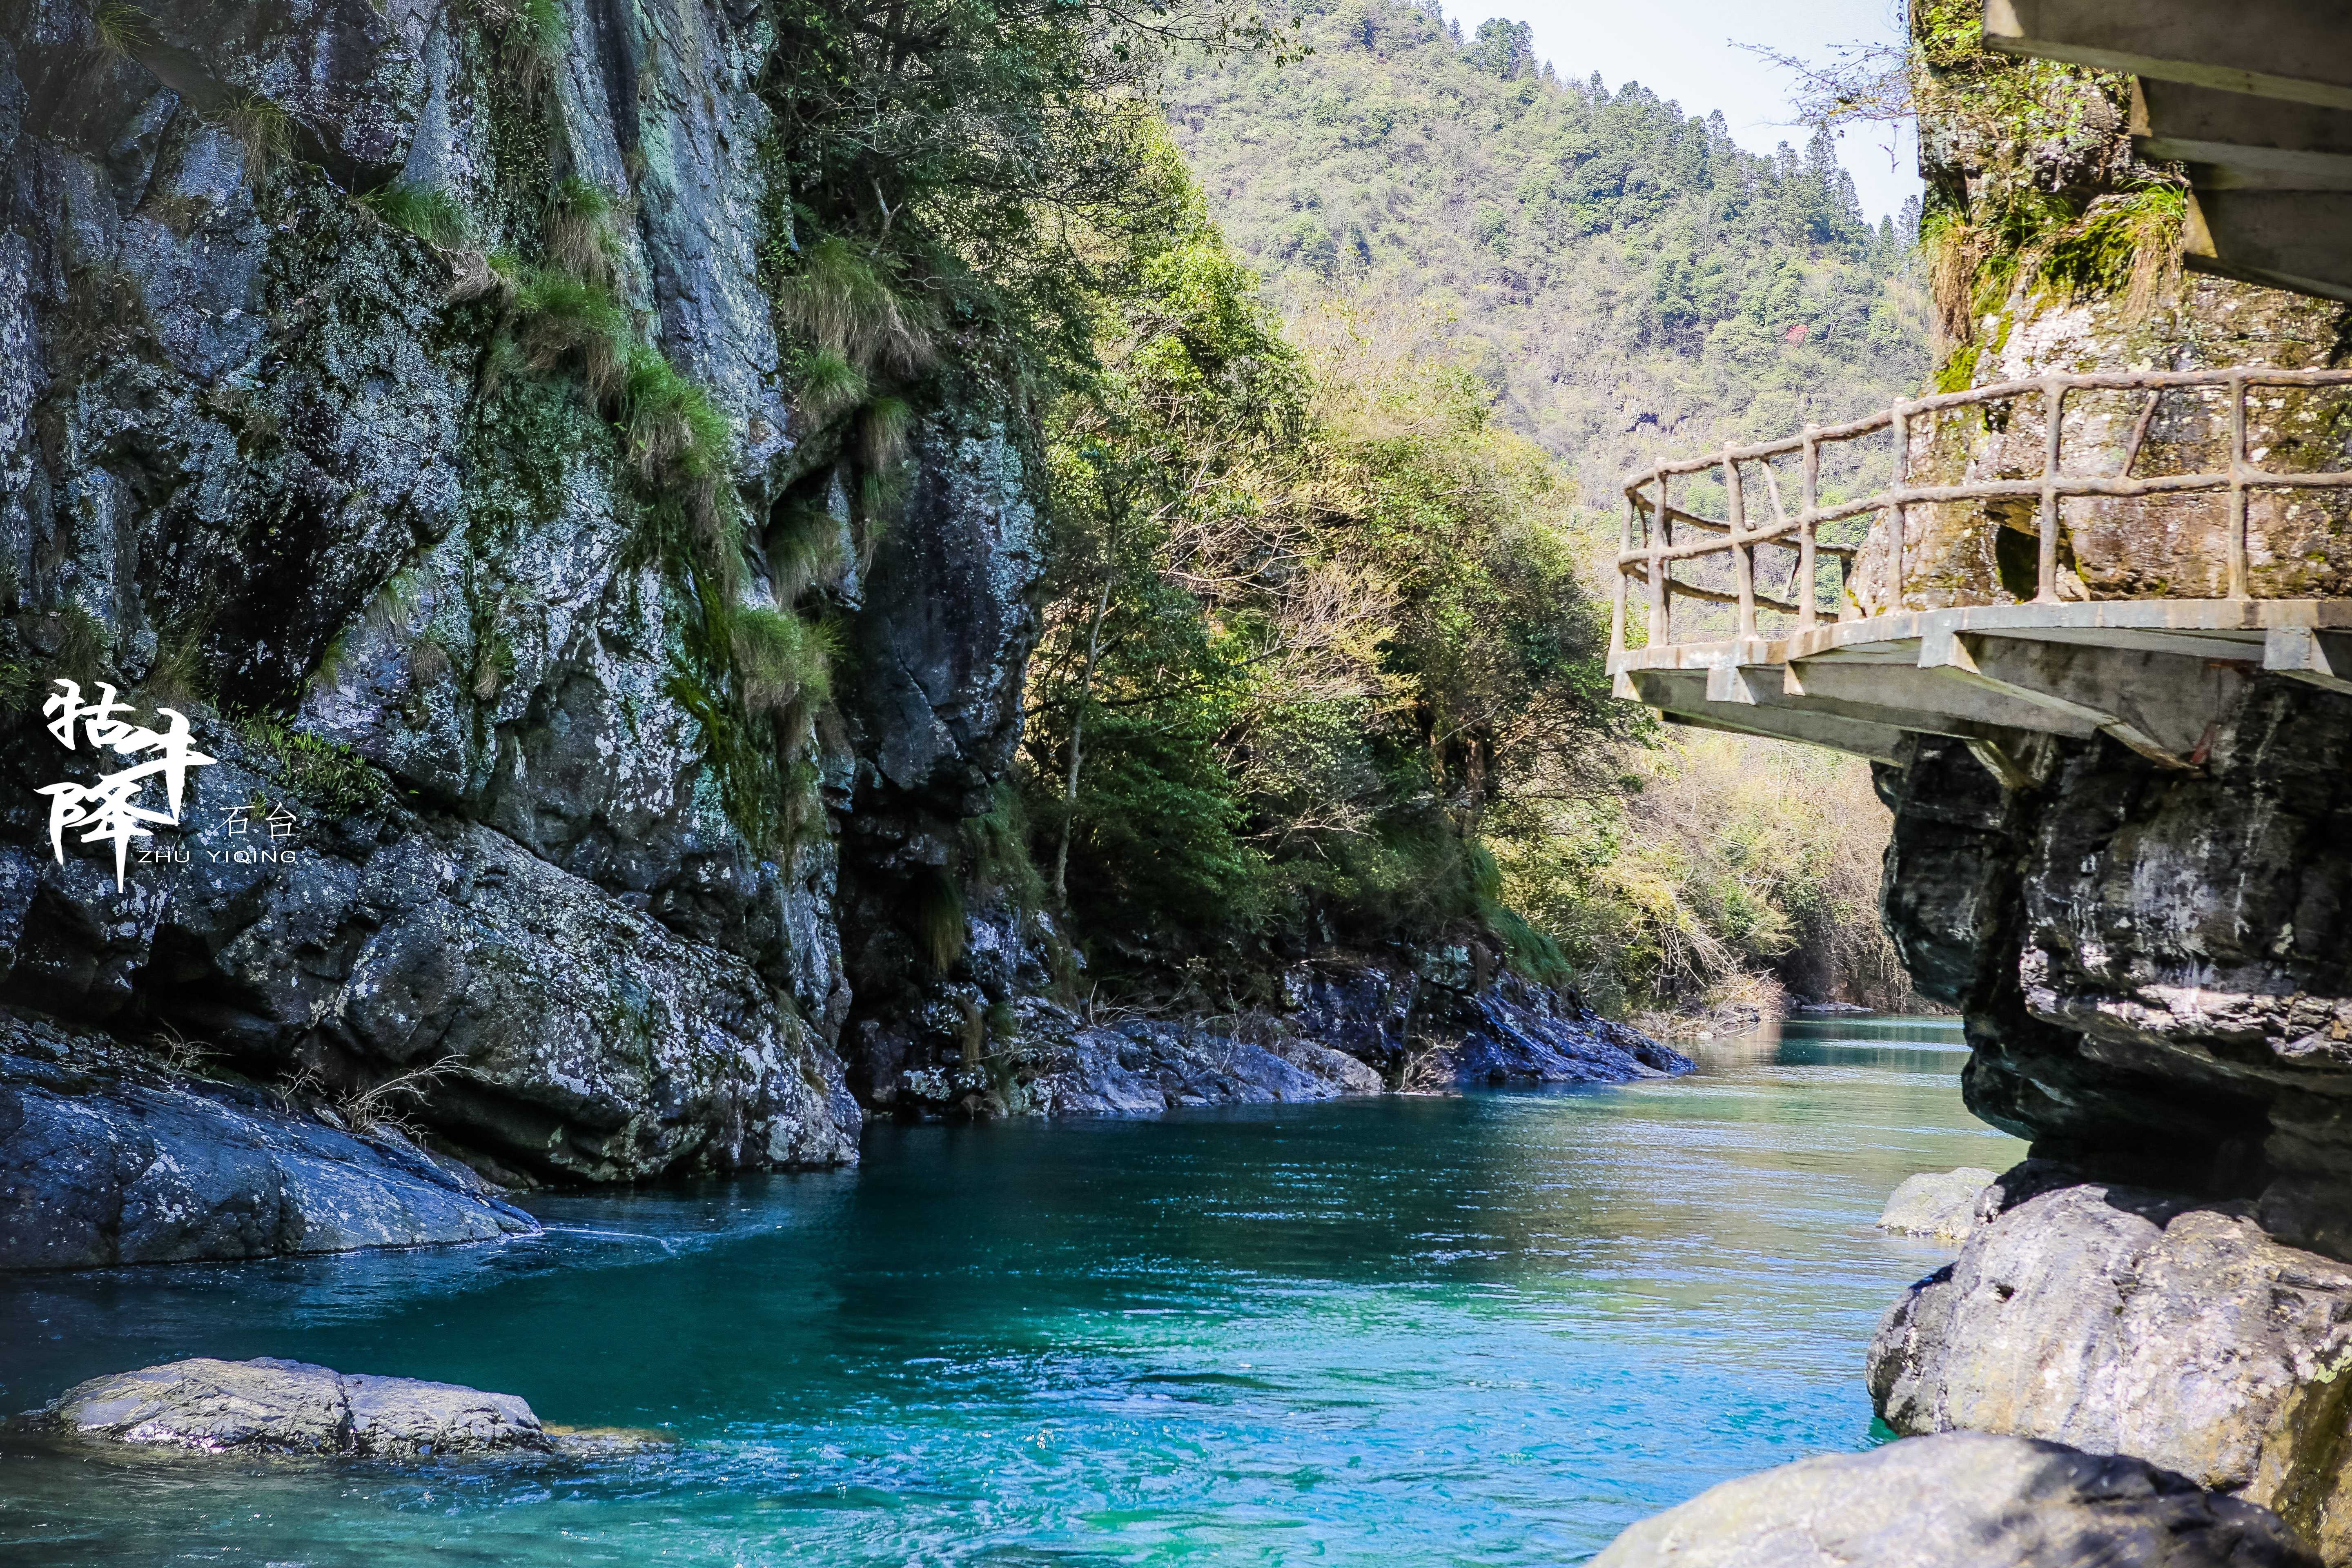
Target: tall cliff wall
[[2152, 961], [372, 381]]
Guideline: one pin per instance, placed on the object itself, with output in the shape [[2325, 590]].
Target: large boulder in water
[[2122, 1321], [270, 1406], [1941, 1203], [1965, 1499], [106, 1159]]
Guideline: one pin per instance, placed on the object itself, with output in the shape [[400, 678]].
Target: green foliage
[[828, 384], [2054, 197], [885, 433], [674, 429], [804, 549], [1624, 280], [321, 772], [428, 212], [846, 303], [180, 675], [996, 852], [935, 914], [121, 29], [1714, 860], [1312, 613], [531, 38], [561, 320], [578, 232], [83, 646]]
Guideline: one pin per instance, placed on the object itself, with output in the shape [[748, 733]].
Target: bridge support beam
[[2163, 706], [2163, 678], [2316, 658], [1682, 694]]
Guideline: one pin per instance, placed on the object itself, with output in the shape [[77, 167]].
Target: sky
[[1682, 49]]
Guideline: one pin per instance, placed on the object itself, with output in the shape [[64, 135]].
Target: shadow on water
[[1488, 1329]]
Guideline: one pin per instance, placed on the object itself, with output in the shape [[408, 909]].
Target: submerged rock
[[102, 1162], [1962, 1500], [2123, 1321], [1941, 1204]]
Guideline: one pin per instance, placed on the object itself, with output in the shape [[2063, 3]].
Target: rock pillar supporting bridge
[[1839, 659]]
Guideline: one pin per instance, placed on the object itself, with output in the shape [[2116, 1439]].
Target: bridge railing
[[1648, 550]]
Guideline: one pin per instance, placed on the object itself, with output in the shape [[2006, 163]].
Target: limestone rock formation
[[2122, 1321], [1941, 1203], [1442, 1023], [2151, 963], [292, 1407], [272, 451], [1144, 1067], [551, 1029], [1962, 1500], [984, 1036], [106, 1159]]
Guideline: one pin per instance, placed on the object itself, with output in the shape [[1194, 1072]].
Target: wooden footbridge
[[1850, 655]]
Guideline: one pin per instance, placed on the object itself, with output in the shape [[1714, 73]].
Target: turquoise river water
[[1489, 1329]]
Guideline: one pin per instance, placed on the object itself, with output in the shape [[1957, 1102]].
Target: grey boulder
[[1939, 1203], [270, 1406], [1965, 1499], [2121, 1320], [1146, 1067]]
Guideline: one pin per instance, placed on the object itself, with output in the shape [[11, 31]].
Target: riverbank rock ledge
[[1962, 1500], [108, 1159], [269, 1406], [1939, 1203], [2123, 1320]]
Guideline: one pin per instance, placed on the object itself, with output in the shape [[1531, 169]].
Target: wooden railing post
[[1897, 514], [1743, 556], [2239, 588], [1661, 536], [1808, 568], [2054, 415]]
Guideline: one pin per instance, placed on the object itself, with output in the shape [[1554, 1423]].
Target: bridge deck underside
[[2161, 677]]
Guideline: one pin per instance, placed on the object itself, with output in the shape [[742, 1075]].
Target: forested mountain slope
[[1627, 278]]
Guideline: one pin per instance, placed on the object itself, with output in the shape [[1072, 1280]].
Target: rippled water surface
[[1489, 1330]]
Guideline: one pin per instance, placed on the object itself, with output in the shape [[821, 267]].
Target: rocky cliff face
[[288, 442], [587, 734], [2151, 960]]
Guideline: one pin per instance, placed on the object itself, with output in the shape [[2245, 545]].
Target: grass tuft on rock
[[120, 28], [562, 319], [579, 231], [846, 303], [428, 212], [804, 550], [828, 384], [785, 662], [886, 433], [265, 129]]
